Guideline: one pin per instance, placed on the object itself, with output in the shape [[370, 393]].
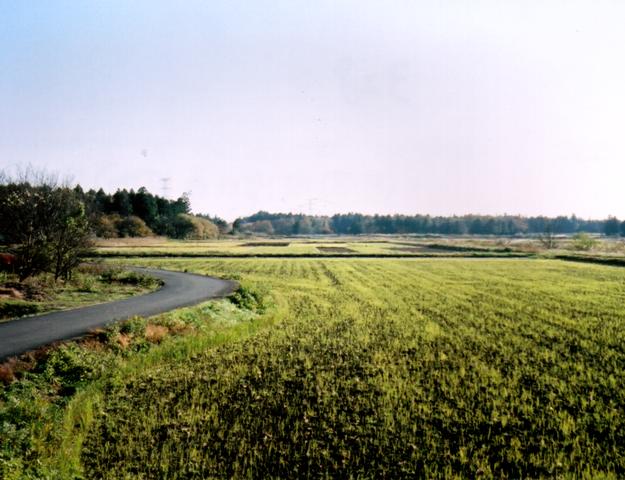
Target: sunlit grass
[[387, 368]]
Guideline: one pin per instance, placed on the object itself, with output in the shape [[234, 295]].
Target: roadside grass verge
[[90, 284], [52, 396]]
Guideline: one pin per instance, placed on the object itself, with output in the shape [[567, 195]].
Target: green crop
[[386, 369]]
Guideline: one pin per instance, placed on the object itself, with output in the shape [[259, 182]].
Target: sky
[[434, 107]]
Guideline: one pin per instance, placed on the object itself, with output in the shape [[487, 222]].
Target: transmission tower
[[165, 186]]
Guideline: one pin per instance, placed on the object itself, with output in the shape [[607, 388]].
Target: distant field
[[242, 246], [381, 368], [313, 246]]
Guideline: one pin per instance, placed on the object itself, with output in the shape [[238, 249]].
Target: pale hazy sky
[[382, 106]]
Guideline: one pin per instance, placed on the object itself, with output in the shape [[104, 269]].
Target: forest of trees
[[356, 224], [49, 225], [129, 213], [46, 226]]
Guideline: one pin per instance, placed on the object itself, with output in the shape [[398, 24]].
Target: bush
[[583, 241], [248, 299], [37, 288], [135, 326], [133, 226], [105, 226], [18, 308], [69, 367], [192, 227]]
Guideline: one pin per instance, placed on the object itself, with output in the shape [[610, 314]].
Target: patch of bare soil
[[323, 241], [410, 249], [265, 244], [132, 242], [335, 250]]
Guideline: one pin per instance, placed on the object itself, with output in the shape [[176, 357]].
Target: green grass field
[[379, 368]]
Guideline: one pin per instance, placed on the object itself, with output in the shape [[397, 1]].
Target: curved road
[[179, 290]]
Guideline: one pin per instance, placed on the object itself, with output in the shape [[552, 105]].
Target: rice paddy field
[[357, 246], [382, 368], [307, 246], [291, 246]]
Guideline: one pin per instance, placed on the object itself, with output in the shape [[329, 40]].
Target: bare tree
[[548, 237]]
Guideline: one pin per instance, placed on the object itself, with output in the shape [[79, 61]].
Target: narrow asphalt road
[[179, 290]]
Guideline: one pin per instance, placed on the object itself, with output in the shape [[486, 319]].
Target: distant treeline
[[356, 224], [129, 213]]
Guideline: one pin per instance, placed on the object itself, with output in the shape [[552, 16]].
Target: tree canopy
[[130, 213], [46, 225], [356, 224]]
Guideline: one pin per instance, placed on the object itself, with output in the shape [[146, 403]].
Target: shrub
[[192, 227], [583, 241], [105, 226], [18, 308], [70, 366], [86, 283], [135, 326], [248, 299], [133, 226]]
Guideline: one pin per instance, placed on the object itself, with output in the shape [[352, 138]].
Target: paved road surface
[[180, 290]]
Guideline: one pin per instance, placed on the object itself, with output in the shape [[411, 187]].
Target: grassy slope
[[386, 368]]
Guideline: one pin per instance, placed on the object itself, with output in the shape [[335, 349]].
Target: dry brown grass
[[181, 329], [7, 373], [96, 340], [124, 340], [12, 293], [156, 333], [12, 367], [93, 344], [131, 242]]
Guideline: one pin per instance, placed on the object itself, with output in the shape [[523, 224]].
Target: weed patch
[[18, 308], [249, 299]]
